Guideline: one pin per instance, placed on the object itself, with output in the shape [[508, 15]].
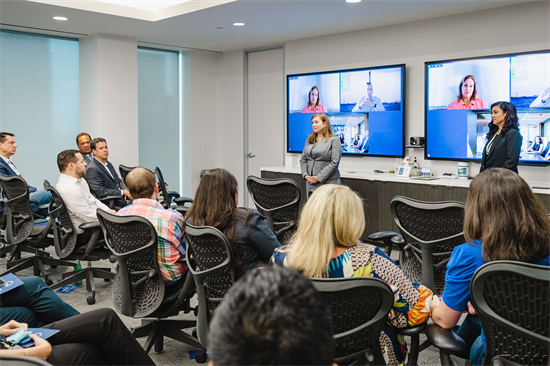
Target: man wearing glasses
[[83, 141]]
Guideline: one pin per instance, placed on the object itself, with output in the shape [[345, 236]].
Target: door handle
[[250, 155]]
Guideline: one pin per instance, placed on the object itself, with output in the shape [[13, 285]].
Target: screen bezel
[[346, 154], [426, 101]]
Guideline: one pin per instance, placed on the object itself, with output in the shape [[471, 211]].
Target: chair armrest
[[110, 200], [382, 235], [90, 225], [34, 201], [398, 240], [411, 331], [173, 194], [180, 201], [445, 339], [501, 360]]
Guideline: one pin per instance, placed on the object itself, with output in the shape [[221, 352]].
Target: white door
[[265, 113]]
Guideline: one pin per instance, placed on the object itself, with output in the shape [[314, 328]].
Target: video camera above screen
[[365, 108], [456, 131]]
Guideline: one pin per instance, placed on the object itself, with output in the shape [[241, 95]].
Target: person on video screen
[[368, 102], [503, 145], [543, 100], [467, 97], [314, 102], [537, 145], [364, 145]]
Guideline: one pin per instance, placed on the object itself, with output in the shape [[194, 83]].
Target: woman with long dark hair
[[215, 204], [503, 140], [503, 220]]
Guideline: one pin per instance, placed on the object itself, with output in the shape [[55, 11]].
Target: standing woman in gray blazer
[[321, 154]]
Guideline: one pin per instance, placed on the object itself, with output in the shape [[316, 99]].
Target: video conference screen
[[459, 95], [364, 106]]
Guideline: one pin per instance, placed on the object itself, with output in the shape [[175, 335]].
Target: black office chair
[[124, 170], [22, 230], [279, 201], [166, 197], [512, 300], [430, 231], [210, 261], [65, 238], [12, 360], [360, 307], [138, 288]]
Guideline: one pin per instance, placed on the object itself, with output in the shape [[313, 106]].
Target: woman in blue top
[[503, 221]]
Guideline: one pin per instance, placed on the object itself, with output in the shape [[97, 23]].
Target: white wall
[[109, 94], [506, 30]]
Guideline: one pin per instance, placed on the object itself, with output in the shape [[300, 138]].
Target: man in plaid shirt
[[143, 189]]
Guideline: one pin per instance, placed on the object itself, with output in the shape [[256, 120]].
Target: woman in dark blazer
[[503, 140], [321, 154]]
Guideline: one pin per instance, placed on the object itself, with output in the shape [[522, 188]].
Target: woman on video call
[[537, 145], [503, 140], [314, 102], [467, 97], [321, 154]]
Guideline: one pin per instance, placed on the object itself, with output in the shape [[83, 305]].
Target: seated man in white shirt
[[74, 190]]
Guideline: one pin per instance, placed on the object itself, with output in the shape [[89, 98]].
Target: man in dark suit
[[102, 176], [364, 145], [83, 141], [545, 154], [7, 149]]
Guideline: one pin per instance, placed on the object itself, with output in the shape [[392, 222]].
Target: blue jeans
[[470, 332], [42, 197], [33, 303]]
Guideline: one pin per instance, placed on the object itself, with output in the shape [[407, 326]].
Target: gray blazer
[[101, 182], [321, 160]]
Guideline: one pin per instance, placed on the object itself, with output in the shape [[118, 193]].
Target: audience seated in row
[[168, 223], [327, 244], [83, 142], [215, 204], [503, 220], [7, 150], [102, 176], [272, 316], [75, 192]]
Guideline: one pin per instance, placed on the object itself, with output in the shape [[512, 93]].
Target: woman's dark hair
[[214, 205], [510, 120], [503, 212]]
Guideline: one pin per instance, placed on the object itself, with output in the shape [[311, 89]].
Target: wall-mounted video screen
[[365, 108], [459, 94]]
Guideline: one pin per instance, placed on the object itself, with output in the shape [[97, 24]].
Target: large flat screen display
[[456, 131], [365, 108]]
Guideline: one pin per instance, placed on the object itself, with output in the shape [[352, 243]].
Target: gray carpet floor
[[174, 353]]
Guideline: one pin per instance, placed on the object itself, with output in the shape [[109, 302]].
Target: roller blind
[[39, 100]]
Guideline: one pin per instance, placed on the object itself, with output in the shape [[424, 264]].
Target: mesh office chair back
[[279, 201], [138, 287], [430, 230], [65, 235], [20, 219], [210, 260], [360, 307], [512, 300], [124, 170]]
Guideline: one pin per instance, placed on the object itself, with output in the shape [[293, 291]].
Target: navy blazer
[[101, 182], [5, 169], [504, 153]]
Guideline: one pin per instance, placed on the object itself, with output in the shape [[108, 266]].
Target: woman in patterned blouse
[[327, 244]]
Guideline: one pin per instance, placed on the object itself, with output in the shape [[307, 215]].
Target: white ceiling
[[269, 22]]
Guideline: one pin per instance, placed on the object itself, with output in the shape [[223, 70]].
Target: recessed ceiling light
[[238, 24], [60, 18], [353, 1]]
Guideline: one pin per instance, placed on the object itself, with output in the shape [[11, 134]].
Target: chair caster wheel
[[90, 300], [201, 357], [49, 282], [53, 266], [106, 280]]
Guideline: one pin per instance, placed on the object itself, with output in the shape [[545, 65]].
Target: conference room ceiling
[[268, 22]]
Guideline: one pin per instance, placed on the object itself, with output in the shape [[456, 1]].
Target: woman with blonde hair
[[321, 154], [327, 245]]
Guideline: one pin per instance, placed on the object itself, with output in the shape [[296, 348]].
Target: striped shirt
[[168, 224]]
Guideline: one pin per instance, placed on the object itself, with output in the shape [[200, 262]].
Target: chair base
[[15, 251], [37, 262], [156, 329], [87, 274]]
